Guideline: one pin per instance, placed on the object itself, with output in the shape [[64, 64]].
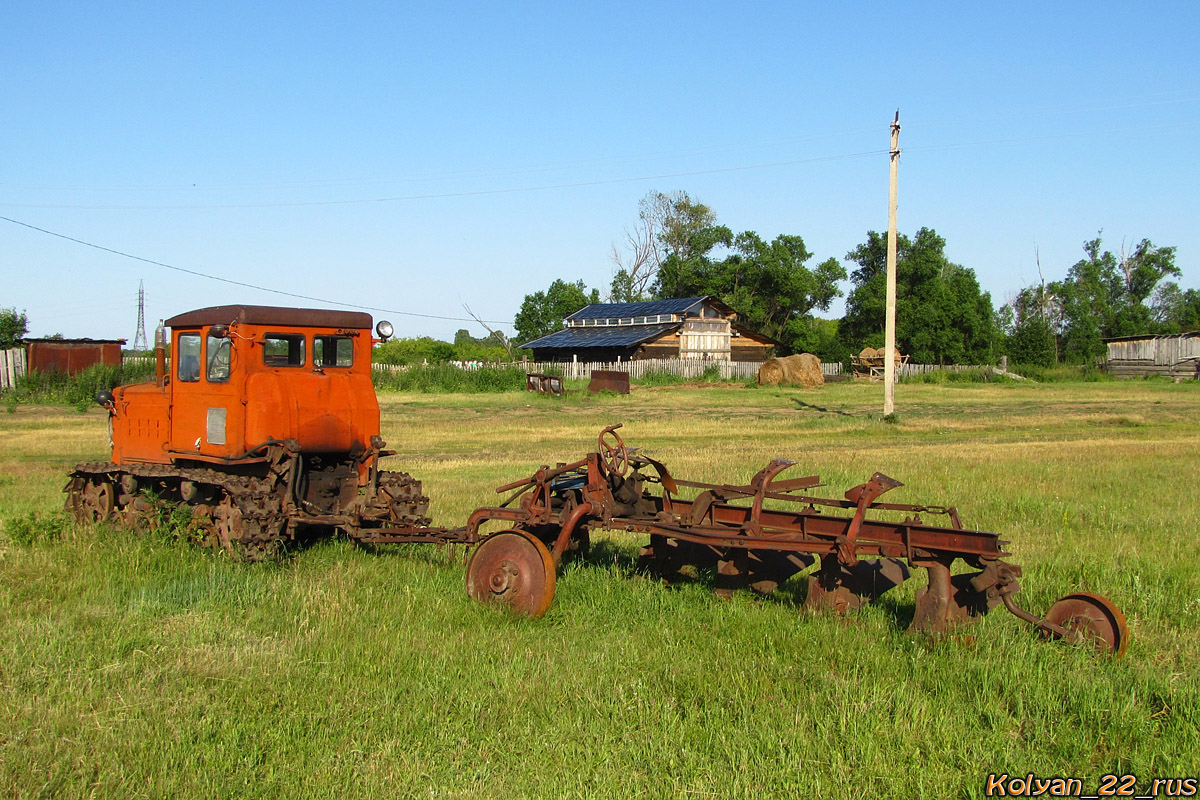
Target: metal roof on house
[[615, 336], [647, 308]]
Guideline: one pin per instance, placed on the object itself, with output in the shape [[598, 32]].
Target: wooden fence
[[684, 367], [12, 366], [692, 368]]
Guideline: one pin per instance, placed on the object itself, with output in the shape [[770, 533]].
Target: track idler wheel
[[91, 499], [1093, 619], [512, 569]]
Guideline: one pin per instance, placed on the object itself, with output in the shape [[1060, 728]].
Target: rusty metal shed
[[72, 355], [1171, 355]]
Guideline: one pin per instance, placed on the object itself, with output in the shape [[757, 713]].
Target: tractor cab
[[243, 377]]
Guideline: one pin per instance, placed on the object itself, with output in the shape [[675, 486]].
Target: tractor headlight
[[384, 329]]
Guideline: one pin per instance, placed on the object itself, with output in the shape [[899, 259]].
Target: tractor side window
[[189, 357], [333, 351], [218, 359], [283, 350]]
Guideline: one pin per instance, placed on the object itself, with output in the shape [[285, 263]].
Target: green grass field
[[132, 666]]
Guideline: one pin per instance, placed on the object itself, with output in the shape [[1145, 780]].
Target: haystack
[[803, 369], [879, 353]]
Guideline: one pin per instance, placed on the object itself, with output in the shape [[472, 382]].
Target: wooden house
[[688, 327]]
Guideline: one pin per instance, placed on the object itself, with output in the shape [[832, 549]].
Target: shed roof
[[83, 342], [271, 315], [1147, 336], [648, 308], [616, 336]]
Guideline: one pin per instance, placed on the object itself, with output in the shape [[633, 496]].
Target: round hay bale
[[803, 369], [770, 373]]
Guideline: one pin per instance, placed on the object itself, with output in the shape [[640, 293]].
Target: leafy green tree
[[1028, 324], [1032, 342], [468, 348], [1175, 310], [13, 326], [770, 287], [767, 283], [543, 312], [415, 350], [688, 234], [942, 317], [1105, 295], [819, 337]]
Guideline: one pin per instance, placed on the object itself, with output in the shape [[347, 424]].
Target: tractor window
[[189, 357], [333, 351], [283, 350], [218, 359]]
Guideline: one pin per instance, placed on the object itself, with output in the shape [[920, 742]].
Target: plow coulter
[[861, 547]]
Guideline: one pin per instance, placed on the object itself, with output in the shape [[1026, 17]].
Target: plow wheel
[[92, 499], [512, 569], [1094, 618]]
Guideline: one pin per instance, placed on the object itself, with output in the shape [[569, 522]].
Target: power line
[[243, 284], [446, 195]]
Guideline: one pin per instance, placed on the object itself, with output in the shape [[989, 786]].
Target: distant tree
[[688, 234], [543, 312], [1175, 310], [1032, 342], [673, 237], [416, 350], [1105, 295], [770, 287], [819, 337], [1028, 324], [13, 326], [489, 348], [942, 317]]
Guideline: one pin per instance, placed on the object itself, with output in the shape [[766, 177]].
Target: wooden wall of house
[[588, 354], [747, 350]]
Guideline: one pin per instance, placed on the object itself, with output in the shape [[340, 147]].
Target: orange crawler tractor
[[266, 423]]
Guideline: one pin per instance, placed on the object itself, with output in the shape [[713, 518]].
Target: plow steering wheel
[[613, 454]]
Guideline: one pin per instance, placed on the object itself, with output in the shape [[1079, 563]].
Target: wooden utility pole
[[889, 326]]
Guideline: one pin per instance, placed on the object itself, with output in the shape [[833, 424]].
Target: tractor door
[[207, 409]]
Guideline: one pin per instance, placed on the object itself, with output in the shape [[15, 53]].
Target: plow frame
[[862, 552]]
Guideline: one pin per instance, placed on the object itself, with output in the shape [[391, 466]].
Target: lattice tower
[[139, 339]]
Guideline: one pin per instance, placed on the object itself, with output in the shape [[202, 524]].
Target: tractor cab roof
[[270, 315]]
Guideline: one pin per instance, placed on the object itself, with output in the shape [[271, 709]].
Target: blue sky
[[419, 157]]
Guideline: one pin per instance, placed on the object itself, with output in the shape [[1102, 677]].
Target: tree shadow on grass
[[811, 407]]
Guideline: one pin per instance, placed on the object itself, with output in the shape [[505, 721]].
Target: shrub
[[33, 527], [444, 378], [79, 390]]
